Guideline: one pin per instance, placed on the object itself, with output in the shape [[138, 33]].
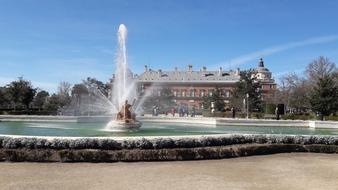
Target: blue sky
[[49, 41]]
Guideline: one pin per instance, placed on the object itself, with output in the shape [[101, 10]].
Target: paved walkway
[[280, 171]]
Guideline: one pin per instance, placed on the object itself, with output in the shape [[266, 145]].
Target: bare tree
[[320, 68], [294, 92], [64, 88]]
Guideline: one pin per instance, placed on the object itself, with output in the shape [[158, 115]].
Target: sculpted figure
[[125, 113]]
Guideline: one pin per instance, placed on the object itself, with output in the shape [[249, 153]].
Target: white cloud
[[279, 48]]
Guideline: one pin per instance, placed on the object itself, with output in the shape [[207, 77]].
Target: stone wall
[[158, 149]]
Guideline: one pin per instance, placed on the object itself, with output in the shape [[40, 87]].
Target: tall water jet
[[123, 82], [123, 90]]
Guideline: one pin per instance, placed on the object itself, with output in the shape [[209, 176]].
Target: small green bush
[[332, 118], [269, 108], [257, 115], [207, 113], [305, 116]]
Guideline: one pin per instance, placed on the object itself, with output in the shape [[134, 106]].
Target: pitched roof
[[189, 76]]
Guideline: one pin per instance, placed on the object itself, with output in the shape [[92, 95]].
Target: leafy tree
[[93, 82], [324, 97], [41, 99], [216, 98], [79, 94], [2, 96], [53, 103], [248, 84], [21, 92], [164, 101], [79, 90], [324, 94]]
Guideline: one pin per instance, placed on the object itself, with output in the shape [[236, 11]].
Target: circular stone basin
[[73, 129]]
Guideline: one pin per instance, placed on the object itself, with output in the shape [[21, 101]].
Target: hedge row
[[161, 143]]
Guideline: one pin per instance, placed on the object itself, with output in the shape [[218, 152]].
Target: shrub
[[257, 115], [305, 116]]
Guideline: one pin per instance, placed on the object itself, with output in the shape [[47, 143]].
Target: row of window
[[194, 93]]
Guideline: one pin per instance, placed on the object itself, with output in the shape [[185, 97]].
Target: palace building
[[189, 86]]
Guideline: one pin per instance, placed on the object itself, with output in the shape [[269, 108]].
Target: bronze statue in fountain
[[126, 115]]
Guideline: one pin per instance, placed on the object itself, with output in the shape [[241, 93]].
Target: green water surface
[[147, 129]]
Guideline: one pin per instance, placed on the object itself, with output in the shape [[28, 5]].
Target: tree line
[[316, 91], [21, 96]]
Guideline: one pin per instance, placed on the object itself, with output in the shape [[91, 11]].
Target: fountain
[[51, 138], [123, 88]]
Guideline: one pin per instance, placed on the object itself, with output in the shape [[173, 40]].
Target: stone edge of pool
[[187, 120], [128, 149]]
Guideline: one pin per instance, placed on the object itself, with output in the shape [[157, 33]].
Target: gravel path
[[279, 171]]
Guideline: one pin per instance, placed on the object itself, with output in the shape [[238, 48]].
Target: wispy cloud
[[279, 48], [280, 74]]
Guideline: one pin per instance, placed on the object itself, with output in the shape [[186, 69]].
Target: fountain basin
[[49, 139]]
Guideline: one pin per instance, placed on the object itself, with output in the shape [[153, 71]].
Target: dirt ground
[[279, 171]]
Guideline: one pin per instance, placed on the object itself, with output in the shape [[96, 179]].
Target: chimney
[[159, 73], [145, 68], [190, 68], [204, 68], [220, 71]]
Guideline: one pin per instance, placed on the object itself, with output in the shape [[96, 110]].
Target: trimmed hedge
[[161, 143]]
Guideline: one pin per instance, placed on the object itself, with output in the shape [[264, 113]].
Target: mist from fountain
[[123, 87]]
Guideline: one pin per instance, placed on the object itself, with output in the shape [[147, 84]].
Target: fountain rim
[[152, 138]]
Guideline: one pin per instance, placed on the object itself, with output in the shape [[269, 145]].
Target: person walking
[[173, 111], [277, 113], [193, 111], [233, 111]]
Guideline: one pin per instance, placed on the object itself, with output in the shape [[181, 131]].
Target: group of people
[[183, 111]]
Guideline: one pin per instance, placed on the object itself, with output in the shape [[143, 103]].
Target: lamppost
[[247, 105], [246, 99]]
